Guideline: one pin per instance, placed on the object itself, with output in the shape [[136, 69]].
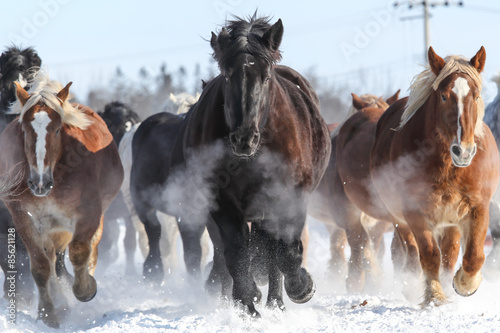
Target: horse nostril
[[31, 185], [233, 139], [456, 150], [49, 185], [255, 139]]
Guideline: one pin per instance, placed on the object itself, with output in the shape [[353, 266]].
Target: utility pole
[[427, 26]]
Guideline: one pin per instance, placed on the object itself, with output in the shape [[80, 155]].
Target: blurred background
[[139, 52]]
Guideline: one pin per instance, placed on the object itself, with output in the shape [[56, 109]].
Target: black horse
[[119, 118], [251, 149], [15, 65]]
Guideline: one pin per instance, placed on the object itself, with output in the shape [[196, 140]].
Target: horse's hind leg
[[468, 277], [83, 255], [191, 237], [338, 262]]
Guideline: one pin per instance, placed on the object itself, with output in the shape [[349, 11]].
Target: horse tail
[[10, 182]]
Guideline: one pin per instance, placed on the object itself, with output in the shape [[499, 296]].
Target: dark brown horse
[[331, 205], [434, 168], [250, 150], [61, 170]]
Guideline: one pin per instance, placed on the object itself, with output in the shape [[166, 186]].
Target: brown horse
[[61, 170], [330, 204], [434, 167]]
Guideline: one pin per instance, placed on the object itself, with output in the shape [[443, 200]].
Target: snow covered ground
[[127, 304]]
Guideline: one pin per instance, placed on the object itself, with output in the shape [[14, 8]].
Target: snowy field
[[127, 304]]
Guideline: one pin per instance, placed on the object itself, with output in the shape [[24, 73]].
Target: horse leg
[[450, 248], [61, 241], [304, 238], [468, 278], [235, 235], [42, 267], [360, 243], [407, 244], [268, 248], [83, 253], [492, 264], [153, 265], [299, 284], [338, 261], [169, 232], [219, 279], [430, 258], [191, 236]]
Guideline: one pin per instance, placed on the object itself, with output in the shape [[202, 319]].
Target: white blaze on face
[[461, 89], [39, 124]]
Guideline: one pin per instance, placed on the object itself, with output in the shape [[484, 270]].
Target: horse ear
[[22, 95], [393, 98], [435, 61], [272, 37], [479, 60], [358, 103], [64, 93], [213, 42]]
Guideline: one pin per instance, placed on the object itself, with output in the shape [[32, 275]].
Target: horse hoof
[[466, 286], [463, 294], [300, 289], [257, 295], [275, 304], [85, 294], [153, 274], [48, 317]]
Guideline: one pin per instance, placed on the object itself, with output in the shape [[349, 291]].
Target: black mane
[[245, 36]]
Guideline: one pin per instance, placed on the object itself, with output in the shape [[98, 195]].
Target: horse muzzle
[[244, 144], [462, 157], [41, 187]]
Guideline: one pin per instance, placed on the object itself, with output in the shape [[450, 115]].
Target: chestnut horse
[[434, 166], [60, 171], [329, 203]]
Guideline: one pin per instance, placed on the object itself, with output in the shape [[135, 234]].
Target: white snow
[[129, 304]]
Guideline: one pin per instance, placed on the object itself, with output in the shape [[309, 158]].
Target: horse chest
[[50, 217], [449, 206]]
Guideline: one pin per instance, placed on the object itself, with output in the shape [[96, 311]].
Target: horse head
[[119, 118], [16, 65], [459, 107], [41, 126], [246, 53]]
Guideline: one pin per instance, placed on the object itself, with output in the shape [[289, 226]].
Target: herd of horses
[[247, 161]]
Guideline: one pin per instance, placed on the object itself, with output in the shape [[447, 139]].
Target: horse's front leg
[[430, 257], [41, 265], [468, 278], [299, 284], [83, 251], [235, 234]]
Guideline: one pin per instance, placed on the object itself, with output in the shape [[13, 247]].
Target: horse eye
[[58, 131], [443, 97], [227, 78]]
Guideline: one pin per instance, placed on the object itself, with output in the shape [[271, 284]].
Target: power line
[[426, 15]]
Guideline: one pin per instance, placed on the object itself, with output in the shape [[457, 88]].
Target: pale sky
[[84, 41]]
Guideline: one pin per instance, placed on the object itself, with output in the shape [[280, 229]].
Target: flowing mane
[[241, 36], [45, 90], [423, 84]]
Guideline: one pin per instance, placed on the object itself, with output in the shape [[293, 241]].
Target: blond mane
[[42, 89], [423, 84]]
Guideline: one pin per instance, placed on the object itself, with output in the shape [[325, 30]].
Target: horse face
[[246, 103], [42, 145], [457, 98]]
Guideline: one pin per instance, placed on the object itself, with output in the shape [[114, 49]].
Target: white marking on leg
[[461, 89], [40, 122]]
